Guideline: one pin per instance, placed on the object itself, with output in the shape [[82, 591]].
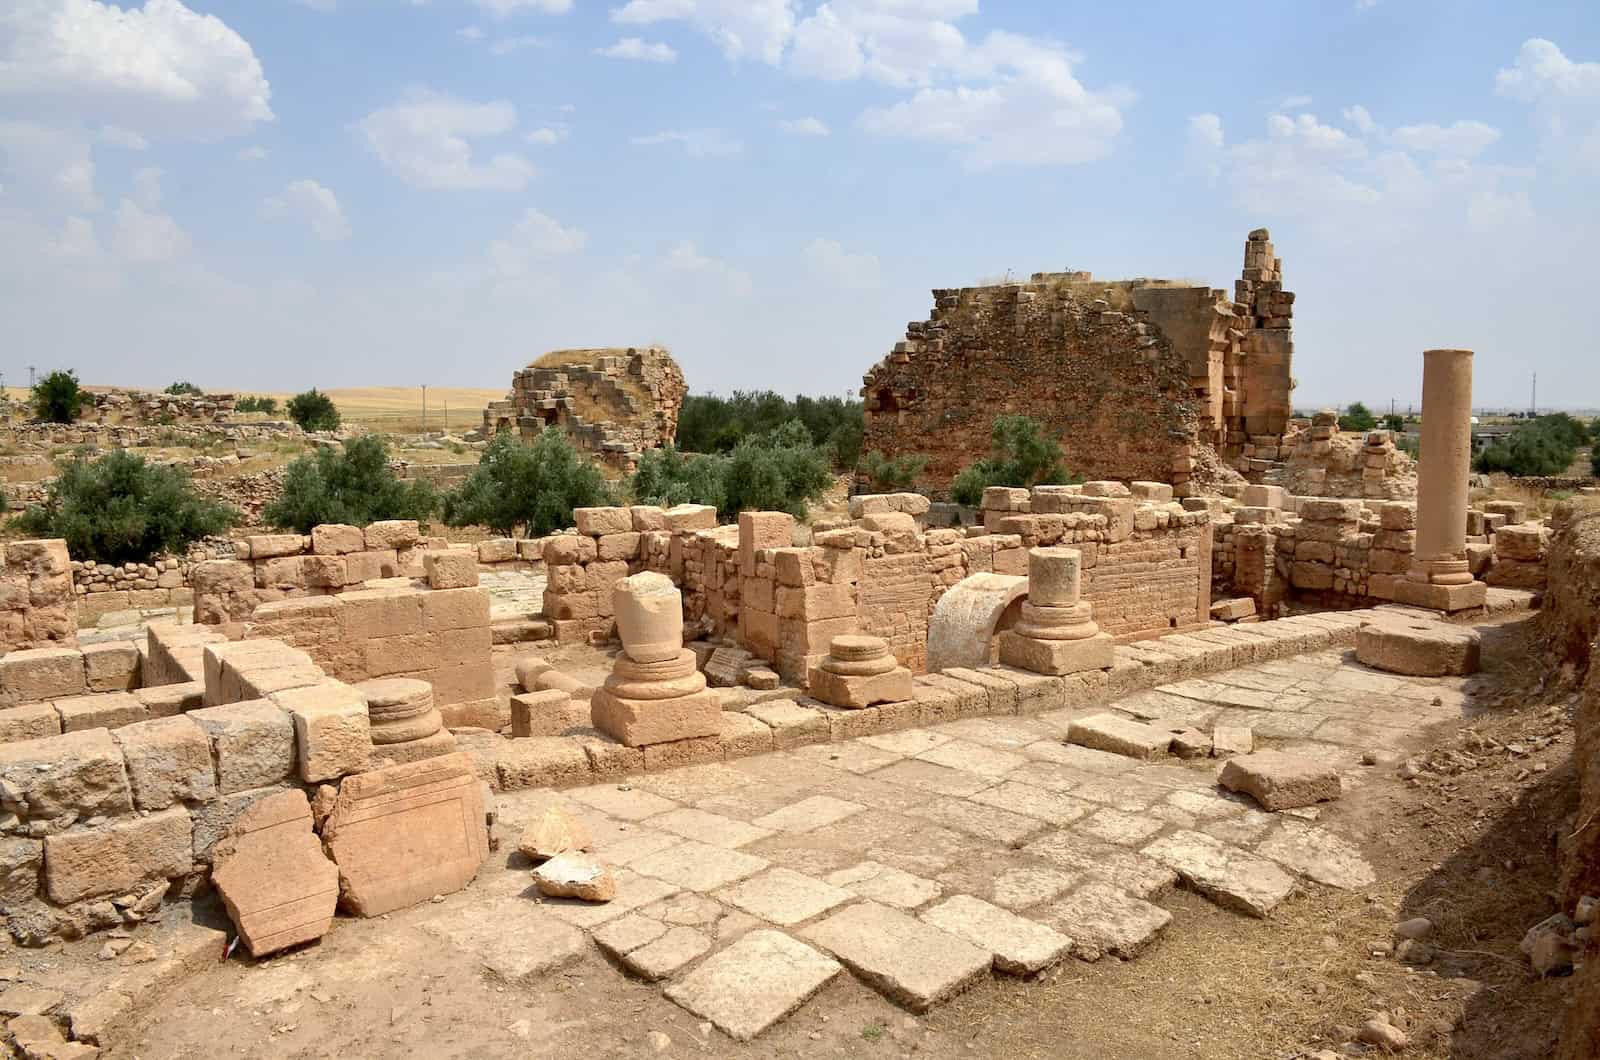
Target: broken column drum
[[655, 693], [1057, 633], [859, 671]]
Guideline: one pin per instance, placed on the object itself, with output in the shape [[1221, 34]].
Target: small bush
[[1543, 446], [1394, 422], [1357, 417], [353, 484], [256, 403], [888, 475], [184, 388], [534, 487], [711, 424], [1020, 455], [57, 398], [120, 509], [777, 471], [314, 411], [668, 477]]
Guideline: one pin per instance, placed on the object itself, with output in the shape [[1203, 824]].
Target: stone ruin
[[1139, 379], [613, 402], [116, 407]]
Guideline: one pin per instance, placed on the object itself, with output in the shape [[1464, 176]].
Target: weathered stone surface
[[254, 743], [913, 963], [1102, 918], [698, 866], [963, 622], [102, 710], [573, 874], [754, 983], [783, 896], [1418, 647], [333, 734], [1318, 854], [80, 773], [115, 857], [111, 667], [556, 832], [1233, 878], [450, 568], [168, 760], [1118, 735], [1056, 657], [1229, 740], [856, 691], [1280, 781], [31, 722], [403, 834], [639, 723], [35, 674], [812, 812], [1019, 946], [885, 884], [279, 888], [510, 937], [676, 947]]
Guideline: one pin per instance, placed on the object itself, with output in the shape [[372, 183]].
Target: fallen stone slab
[[675, 949], [1230, 740], [912, 963], [511, 937], [555, 833], [402, 834], [1418, 647], [1102, 919], [1280, 781], [1108, 732], [575, 875], [754, 983], [1231, 877], [1319, 855], [1019, 946], [279, 888]]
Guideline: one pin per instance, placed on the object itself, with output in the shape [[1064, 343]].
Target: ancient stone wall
[[615, 403], [1320, 461], [36, 595]]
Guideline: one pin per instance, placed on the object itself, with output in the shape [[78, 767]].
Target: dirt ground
[[1467, 842]]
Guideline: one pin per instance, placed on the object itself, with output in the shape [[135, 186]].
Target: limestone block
[[279, 888], [103, 710], [324, 571], [371, 565], [639, 723], [856, 691], [497, 550], [447, 609], [254, 743], [1257, 496], [284, 572], [78, 773], [1418, 647], [1520, 542], [1054, 576], [20, 863], [450, 568], [648, 518], [111, 667], [1118, 735], [565, 549], [1280, 781], [596, 522], [168, 760], [270, 546], [762, 530], [36, 674], [335, 539], [1056, 657], [116, 857], [402, 834], [649, 610], [1446, 598], [682, 517], [392, 533], [331, 729], [217, 576], [29, 722], [547, 713], [614, 547]]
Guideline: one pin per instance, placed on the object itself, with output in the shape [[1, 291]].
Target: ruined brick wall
[[1323, 462], [615, 403]]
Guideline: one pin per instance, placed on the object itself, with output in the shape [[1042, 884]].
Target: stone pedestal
[[1057, 633], [858, 672], [405, 725], [655, 693], [1440, 577]]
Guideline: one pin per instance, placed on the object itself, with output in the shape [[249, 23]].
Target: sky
[[275, 194]]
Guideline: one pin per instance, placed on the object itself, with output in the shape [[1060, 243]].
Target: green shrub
[[888, 475], [1020, 455], [534, 487], [352, 484], [668, 477], [314, 411], [776, 471], [1394, 422], [184, 388], [57, 398], [256, 403], [711, 424], [120, 509], [1357, 417], [1543, 446]]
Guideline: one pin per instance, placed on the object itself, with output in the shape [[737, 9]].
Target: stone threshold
[[585, 756]]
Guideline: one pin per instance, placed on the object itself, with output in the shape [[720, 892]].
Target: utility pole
[[424, 410], [31, 370], [1533, 403]]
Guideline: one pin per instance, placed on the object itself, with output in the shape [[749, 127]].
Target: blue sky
[[273, 194]]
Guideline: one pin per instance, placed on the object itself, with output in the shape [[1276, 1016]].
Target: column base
[[641, 722], [1056, 657], [1440, 597], [860, 690]]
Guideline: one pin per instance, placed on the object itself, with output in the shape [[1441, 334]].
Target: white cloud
[[686, 258], [697, 143], [1463, 139], [756, 29], [1294, 103], [640, 50], [120, 137], [147, 187], [827, 259], [47, 165], [509, 45], [804, 127], [253, 153], [77, 241], [899, 42], [536, 235], [1565, 97], [470, 32], [505, 8], [147, 236], [426, 140], [1357, 117], [161, 70], [311, 203], [546, 135], [319, 5]]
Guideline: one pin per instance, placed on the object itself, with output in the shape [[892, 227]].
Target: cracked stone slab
[[633, 891], [1011, 881], [697, 866], [1124, 829], [809, 813], [908, 961], [974, 758], [1101, 919], [511, 937], [1118, 735], [628, 933], [981, 821], [754, 983], [712, 828], [1233, 878], [885, 884], [1127, 869], [626, 803], [783, 896], [1019, 946], [1042, 804], [1320, 855], [1280, 781], [661, 957]]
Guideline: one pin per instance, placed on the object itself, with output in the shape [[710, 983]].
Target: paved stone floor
[[513, 594], [923, 859]]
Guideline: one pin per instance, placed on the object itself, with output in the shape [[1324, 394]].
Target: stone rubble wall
[[36, 595], [44, 436], [1320, 461]]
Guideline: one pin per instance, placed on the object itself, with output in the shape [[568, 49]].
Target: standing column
[[1439, 577]]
